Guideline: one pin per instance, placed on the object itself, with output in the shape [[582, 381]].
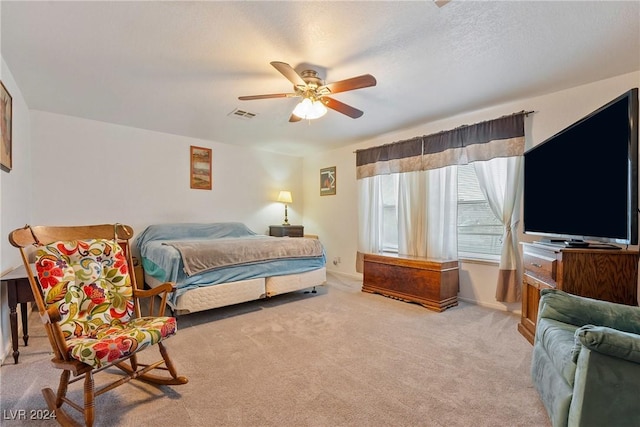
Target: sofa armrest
[[622, 345], [579, 311]]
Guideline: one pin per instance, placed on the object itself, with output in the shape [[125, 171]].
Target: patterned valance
[[502, 137], [403, 156]]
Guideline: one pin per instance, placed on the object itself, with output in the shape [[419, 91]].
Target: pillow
[[612, 342], [183, 231]]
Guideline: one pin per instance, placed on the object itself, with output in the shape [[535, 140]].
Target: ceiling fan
[[315, 93]]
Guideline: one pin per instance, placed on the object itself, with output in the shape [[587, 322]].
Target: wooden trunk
[[430, 282]]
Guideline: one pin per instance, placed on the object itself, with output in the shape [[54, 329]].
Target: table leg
[[25, 325], [13, 318]]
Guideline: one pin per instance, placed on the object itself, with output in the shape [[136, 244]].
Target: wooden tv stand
[[604, 274], [429, 282]]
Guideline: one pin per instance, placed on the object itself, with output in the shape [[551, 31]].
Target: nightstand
[[286, 230]]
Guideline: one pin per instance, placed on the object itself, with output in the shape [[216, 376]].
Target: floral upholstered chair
[[91, 309]]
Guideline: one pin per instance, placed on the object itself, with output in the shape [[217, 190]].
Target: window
[[389, 184], [479, 231]]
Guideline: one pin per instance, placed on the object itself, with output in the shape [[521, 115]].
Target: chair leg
[[133, 360], [145, 375], [169, 364], [62, 388], [55, 401], [89, 396]]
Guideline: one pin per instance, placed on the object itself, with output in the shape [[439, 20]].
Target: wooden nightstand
[[286, 230]]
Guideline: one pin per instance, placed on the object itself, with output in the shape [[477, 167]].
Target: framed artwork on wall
[[5, 128], [201, 159], [328, 181]]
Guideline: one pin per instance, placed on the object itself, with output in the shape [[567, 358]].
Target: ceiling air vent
[[242, 114]]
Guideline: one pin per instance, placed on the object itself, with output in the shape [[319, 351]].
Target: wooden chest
[[430, 282]]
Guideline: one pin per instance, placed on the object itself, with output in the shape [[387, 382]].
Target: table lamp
[[285, 197]]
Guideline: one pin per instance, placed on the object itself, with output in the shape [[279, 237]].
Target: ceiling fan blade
[[341, 107], [365, 80], [288, 71], [294, 118], [272, 95]]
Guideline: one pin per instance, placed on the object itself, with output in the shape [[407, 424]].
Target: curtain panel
[[370, 216]]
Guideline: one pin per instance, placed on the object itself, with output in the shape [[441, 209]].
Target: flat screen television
[[581, 185]]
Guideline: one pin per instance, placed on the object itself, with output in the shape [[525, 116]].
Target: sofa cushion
[[557, 340], [609, 341]]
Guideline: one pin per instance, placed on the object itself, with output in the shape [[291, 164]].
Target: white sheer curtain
[[370, 216], [412, 228], [499, 180], [428, 212]]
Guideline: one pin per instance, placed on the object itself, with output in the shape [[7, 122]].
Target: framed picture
[[201, 168], [328, 181], [5, 128]]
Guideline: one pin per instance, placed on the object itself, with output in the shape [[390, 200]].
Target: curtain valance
[[403, 156], [501, 137]]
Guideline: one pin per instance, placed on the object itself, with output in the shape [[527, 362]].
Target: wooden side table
[[286, 230], [19, 291]]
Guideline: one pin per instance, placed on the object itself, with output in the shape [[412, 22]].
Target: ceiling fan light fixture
[[310, 110]]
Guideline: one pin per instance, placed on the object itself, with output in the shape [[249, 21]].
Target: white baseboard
[[495, 306], [7, 351], [354, 276]]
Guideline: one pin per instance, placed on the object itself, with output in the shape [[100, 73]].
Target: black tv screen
[[582, 183]]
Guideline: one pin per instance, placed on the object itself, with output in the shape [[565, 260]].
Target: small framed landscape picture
[[201, 168], [5, 129], [328, 181]]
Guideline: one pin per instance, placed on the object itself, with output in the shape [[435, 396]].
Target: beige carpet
[[340, 357]]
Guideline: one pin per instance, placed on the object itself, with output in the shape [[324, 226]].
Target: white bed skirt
[[224, 294], [282, 284]]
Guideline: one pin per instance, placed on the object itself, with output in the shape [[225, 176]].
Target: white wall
[[68, 171], [15, 196], [89, 172], [336, 217]]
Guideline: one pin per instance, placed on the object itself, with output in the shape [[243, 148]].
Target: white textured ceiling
[[179, 67]]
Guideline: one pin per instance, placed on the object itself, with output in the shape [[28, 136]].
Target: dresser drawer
[[541, 265], [286, 230]]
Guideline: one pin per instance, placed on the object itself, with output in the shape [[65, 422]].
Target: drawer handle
[[535, 264]]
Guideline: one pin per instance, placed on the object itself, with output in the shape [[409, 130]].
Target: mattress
[[225, 294], [221, 295]]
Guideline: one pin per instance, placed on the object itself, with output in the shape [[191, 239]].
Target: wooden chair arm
[[147, 293], [163, 291]]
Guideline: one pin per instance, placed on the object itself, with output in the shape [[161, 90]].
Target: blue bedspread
[[164, 263]]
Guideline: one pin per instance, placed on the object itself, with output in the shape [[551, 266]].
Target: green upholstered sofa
[[586, 361]]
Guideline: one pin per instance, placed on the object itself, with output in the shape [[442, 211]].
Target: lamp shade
[[309, 110], [285, 197]]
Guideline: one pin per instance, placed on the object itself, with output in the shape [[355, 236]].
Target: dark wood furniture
[[18, 291], [286, 230], [429, 282], [604, 274]]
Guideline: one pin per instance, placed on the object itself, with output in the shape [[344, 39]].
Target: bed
[[219, 264]]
